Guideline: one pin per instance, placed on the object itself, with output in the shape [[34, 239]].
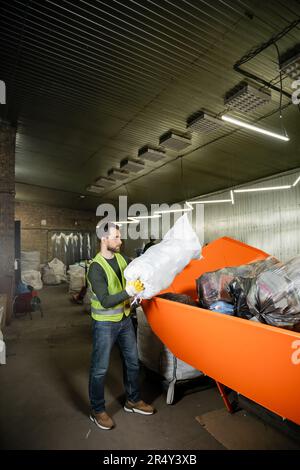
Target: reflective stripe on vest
[[114, 285]]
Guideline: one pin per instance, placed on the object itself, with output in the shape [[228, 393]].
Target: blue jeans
[[105, 335]]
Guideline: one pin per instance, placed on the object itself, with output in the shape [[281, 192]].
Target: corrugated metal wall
[[267, 220]]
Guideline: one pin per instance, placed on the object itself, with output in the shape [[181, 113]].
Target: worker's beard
[[114, 249]]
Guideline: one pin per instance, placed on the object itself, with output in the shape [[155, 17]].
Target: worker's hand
[[134, 287], [139, 285]]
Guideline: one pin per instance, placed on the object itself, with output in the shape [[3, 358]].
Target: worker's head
[[110, 237]]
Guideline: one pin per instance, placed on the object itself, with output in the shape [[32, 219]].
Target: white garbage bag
[[76, 274], [158, 266], [59, 269], [30, 261], [32, 278]]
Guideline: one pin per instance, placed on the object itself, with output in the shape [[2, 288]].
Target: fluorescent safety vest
[[115, 314]]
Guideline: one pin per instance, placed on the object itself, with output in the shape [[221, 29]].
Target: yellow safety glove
[[139, 285], [134, 287]]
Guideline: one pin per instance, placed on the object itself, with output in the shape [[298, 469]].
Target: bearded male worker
[[112, 323]]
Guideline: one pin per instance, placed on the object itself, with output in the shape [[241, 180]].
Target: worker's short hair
[[103, 230]]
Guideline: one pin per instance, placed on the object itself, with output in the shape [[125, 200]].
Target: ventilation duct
[[174, 141], [203, 122], [151, 154], [246, 97]]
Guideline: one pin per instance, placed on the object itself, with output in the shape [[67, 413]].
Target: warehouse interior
[[152, 108]]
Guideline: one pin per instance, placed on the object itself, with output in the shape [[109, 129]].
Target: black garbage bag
[[182, 298], [238, 290], [213, 286], [274, 297]]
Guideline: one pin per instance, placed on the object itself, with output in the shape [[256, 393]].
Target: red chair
[[27, 303]]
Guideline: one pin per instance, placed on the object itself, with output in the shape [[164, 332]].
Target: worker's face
[[113, 241]]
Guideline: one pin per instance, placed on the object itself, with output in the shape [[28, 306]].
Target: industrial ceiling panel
[[91, 82]]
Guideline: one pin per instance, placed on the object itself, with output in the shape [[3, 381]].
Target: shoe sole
[[99, 425], [135, 410]]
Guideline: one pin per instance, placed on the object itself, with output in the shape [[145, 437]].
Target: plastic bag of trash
[[214, 286], [239, 289], [158, 266], [32, 278], [76, 277], [181, 298], [30, 261], [59, 269], [49, 277], [274, 297], [222, 307]]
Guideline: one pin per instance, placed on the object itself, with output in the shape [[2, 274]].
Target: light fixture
[[209, 201], [118, 175], [151, 154], [170, 211], [270, 188], [174, 141], [124, 222], [133, 166], [103, 181], [290, 62], [232, 198], [246, 97], [141, 217], [203, 122], [296, 182], [246, 125]]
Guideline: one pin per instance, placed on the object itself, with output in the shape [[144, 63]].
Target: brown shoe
[[102, 420], [138, 407]]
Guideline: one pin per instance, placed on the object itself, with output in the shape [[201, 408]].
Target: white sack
[[76, 276], [2, 352], [59, 269], [30, 261], [162, 262], [32, 278]]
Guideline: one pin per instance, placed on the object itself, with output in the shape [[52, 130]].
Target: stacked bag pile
[[30, 269]]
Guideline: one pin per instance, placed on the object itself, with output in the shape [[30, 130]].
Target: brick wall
[[35, 236], [7, 196]]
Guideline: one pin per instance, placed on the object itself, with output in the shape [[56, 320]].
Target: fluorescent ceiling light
[[169, 211], [246, 97], [246, 125], [212, 201], [138, 217], [123, 222], [174, 141], [232, 198], [271, 188], [297, 181], [203, 122]]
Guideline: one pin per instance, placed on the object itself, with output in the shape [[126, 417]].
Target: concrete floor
[[44, 402]]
